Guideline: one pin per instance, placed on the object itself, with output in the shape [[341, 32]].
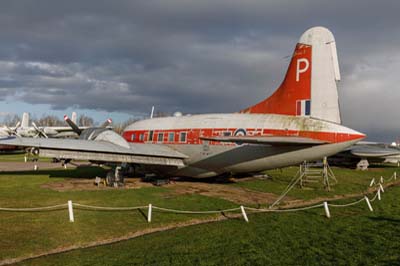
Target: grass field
[[353, 236], [304, 237]]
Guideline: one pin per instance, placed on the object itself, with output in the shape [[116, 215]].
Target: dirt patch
[[28, 166], [228, 192], [235, 194], [88, 184]]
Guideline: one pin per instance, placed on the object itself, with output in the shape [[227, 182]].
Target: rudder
[[309, 87]]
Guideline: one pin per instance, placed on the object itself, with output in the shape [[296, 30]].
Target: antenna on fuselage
[[152, 111]]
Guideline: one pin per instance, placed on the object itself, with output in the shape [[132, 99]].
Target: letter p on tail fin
[[310, 84]]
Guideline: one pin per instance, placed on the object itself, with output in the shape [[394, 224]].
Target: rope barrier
[[285, 210], [69, 205], [36, 209], [195, 212], [348, 204], [100, 208]]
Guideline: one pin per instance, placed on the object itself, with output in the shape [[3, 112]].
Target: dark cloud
[[194, 56]]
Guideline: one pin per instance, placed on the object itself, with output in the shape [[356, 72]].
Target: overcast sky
[[118, 58]]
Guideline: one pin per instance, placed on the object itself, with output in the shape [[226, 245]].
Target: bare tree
[[119, 128], [49, 121], [85, 121], [11, 120]]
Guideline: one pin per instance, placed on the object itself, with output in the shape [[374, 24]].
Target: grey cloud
[[194, 56]]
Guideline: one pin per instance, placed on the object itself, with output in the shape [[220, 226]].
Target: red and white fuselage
[[210, 158]]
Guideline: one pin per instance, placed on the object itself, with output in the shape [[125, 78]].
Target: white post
[[372, 182], [327, 213], [395, 175], [368, 203], [25, 158], [149, 213], [70, 211], [381, 188], [244, 214], [381, 181], [35, 167], [379, 194]]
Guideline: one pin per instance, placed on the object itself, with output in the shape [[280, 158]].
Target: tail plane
[[25, 120], [310, 85]]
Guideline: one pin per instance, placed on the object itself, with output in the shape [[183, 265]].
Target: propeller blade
[[107, 123], [74, 127], [39, 131]]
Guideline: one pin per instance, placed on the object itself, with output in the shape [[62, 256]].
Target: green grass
[[267, 239], [353, 236], [22, 234], [349, 181]]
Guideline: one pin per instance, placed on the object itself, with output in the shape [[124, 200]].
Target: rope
[[37, 209], [292, 183], [195, 212], [108, 208], [285, 210], [374, 198], [348, 204]]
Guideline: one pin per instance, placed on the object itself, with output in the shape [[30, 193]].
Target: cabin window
[[151, 135], [182, 137], [160, 137], [227, 134], [133, 137], [141, 137], [171, 137]]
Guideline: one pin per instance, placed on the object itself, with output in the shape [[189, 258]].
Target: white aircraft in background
[[299, 122], [23, 129]]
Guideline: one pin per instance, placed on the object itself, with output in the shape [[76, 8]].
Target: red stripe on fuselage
[[193, 135]]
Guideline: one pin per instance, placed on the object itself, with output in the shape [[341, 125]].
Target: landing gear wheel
[[110, 178]]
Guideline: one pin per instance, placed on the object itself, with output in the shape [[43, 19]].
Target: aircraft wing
[[100, 150], [270, 140]]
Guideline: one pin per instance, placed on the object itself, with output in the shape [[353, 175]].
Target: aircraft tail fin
[[74, 117], [25, 120], [310, 84]]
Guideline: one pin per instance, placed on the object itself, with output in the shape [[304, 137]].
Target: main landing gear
[[115, 178]]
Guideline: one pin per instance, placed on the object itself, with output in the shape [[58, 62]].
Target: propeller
[[74, 127], [40, 132], [14, 131], [107, 123]]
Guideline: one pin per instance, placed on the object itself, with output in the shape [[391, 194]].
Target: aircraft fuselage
[[211, 158]]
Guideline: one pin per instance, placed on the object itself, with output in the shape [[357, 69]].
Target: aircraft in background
[[363, 153], [23, 129], [299, 122]]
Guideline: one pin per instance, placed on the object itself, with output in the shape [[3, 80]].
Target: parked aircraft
[[363, 153], [299, 121], [23, 129]]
